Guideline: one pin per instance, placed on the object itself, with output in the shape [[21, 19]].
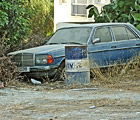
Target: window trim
[[80, 3], [133, 31]]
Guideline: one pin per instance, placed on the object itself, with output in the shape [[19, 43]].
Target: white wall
[[62, 12]]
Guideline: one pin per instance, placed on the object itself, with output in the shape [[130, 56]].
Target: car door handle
[[138, 44], [113, 46]]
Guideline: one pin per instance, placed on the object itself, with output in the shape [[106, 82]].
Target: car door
[[126, 45], [101, 54]]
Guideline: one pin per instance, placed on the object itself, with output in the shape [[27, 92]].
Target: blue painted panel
[[124, 51], [103, 54], [76, 52], [125, 55], [98, 54]]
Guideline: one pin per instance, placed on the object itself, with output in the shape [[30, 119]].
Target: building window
[[99, 1], [79, 7], [62, 1]]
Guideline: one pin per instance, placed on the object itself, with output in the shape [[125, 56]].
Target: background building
[[73, 11]]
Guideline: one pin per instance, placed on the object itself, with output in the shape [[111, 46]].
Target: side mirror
[[96, 40]]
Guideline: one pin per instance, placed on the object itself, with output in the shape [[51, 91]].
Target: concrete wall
[[62, 12]]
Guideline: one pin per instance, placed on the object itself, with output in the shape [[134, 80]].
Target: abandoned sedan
[[108, 44]]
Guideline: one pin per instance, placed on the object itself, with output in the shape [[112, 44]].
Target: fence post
[[77, 65]]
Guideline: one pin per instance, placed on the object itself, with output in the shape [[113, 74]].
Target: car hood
[[41, 49]]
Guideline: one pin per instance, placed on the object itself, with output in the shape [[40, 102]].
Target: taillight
[[50, 59]]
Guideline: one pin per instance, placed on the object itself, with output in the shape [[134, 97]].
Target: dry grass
[[120, 77], [124, 76]]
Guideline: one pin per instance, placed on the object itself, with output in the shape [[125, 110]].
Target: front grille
[[24, 59], [27, 60]]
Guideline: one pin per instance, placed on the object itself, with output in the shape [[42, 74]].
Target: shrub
[[13, 21], [8, 70], [117, 11]]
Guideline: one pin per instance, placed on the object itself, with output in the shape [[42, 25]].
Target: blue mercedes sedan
[[108, 44]]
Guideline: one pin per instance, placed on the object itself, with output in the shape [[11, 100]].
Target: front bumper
[[38, 71]]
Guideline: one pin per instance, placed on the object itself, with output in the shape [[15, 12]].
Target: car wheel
[[63, 74], [60, 74]]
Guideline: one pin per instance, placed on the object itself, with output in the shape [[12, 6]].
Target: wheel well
[[63, 63]]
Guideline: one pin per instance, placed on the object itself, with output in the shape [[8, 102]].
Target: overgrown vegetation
[[41, 16], [8, 70], [117, 11], [118, 75], [22, 20], [23, 24], [14, 22]]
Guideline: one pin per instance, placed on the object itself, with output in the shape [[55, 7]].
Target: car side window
[[123, 33], [104, 34], [120, 33], [131, 35]]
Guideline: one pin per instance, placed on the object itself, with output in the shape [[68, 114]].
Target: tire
[[60, 74]]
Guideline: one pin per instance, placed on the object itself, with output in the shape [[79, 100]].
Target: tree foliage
[[117, 11], [41, 16], [22, 19], [14, 23]]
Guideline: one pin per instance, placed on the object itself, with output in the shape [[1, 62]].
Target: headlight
[[44, 59], [41, 59]]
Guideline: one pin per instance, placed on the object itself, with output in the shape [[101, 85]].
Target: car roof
[[96, 25]]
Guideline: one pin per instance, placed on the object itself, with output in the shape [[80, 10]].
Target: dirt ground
[[86, 102]]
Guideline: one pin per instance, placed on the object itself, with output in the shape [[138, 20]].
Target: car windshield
[[73, 35]]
